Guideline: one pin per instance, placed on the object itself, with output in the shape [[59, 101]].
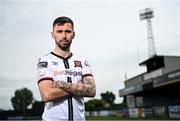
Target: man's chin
[[65, 48]]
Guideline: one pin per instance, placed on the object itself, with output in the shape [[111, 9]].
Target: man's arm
[[50, 92], [84, 88]]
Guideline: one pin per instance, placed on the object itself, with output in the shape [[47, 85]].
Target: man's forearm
[[51, 92], [85, 88]]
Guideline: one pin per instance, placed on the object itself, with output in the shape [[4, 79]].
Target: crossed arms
[[54, 90]]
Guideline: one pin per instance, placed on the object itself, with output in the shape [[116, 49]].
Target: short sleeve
[[44, 71], [86, 69]]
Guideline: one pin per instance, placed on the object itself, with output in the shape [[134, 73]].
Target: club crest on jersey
[[77, 64]]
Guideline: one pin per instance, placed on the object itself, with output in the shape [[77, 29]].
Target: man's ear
[[52, 34], [73, 35]]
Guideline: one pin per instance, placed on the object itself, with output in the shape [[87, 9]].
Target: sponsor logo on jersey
[[68, 72], [42, 64], [77, 64]]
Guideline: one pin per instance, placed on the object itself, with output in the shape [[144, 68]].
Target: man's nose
[[64, 35]]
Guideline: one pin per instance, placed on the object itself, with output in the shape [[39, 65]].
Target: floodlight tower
[[147, 14]]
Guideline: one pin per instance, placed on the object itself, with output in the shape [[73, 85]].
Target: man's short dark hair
[[62, 20]]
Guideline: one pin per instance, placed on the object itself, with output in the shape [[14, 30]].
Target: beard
[[65, 46]]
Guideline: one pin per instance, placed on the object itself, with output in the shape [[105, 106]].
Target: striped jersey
[[71, 69]]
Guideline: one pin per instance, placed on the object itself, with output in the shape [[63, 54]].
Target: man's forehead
[[66, 25]]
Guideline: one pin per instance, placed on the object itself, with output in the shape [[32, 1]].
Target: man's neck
[[62, 53]]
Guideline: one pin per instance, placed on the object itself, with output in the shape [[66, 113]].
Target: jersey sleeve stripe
[[45, 78], [87, 75]]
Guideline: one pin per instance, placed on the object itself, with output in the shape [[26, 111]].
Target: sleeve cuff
[[87, 75], [45, 78]]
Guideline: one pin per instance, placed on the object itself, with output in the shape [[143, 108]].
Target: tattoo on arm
[[84, 88]]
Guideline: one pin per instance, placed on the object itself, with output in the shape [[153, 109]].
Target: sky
[[109, 34]]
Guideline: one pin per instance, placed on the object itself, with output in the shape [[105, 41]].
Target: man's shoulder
[[81, 59], [45, 57], [77, 57]]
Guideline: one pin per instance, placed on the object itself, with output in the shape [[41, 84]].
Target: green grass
[[122, 118], [110, 118]]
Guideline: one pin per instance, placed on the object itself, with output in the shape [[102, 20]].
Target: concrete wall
[[134, 81], [171, 64]]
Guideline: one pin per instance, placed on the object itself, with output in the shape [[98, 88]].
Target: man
[[63, 78]]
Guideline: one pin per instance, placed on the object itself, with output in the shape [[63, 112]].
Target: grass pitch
[[110, 118]]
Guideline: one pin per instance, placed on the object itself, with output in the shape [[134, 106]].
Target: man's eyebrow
[[67, 30], [59, 30]]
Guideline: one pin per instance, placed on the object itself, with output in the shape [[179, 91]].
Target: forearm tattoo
[[84, 88]]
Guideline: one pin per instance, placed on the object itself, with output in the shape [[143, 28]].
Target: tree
[[109, 97], [38, 106], [22, 99], [94, 104]]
